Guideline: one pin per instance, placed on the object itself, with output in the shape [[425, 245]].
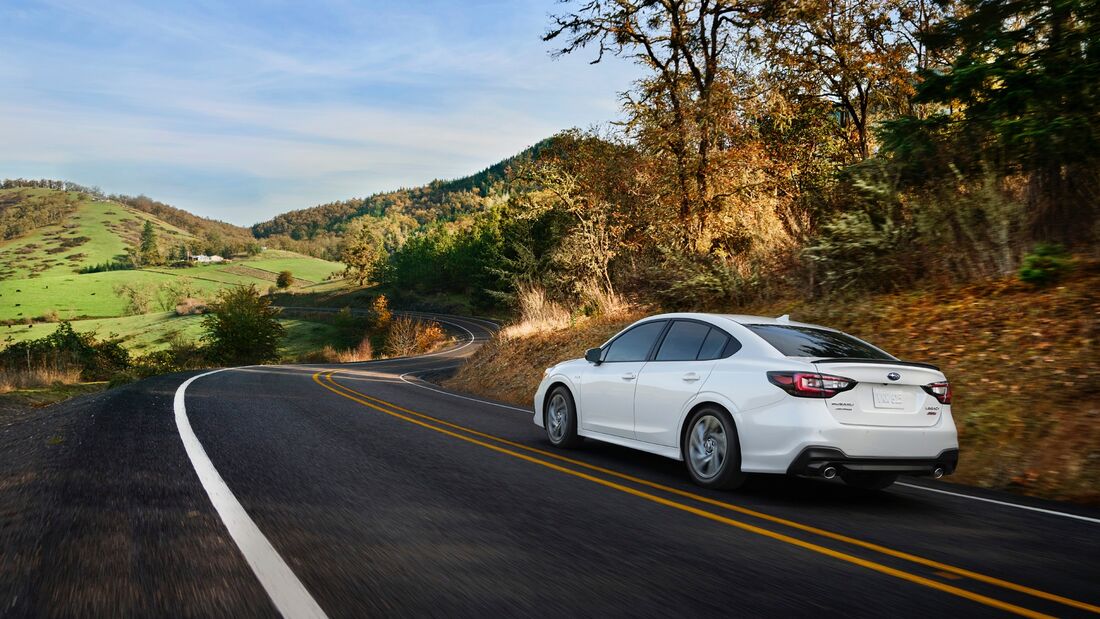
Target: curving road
[[362, 490]]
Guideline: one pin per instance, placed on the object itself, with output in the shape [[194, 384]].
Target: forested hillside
[[836, 147], [394, 215]]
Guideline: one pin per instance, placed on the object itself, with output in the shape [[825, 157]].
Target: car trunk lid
[[887, 393]]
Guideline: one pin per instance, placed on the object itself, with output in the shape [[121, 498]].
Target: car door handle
[[630, 376], [691, 377]]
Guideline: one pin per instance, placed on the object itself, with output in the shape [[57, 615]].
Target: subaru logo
[[893, 376]]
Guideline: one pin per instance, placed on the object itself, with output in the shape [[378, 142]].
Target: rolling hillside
[[94, 231], [318, 230], [51, 235]]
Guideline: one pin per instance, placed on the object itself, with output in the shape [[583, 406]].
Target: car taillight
[[941, 391], [810, 384]]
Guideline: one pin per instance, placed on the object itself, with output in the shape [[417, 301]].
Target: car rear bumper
[[814, 460], [774, 438]]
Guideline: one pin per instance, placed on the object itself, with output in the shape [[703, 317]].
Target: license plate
[[889, 398]]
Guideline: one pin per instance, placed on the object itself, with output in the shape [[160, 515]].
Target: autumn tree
[[590, 183], [856, 55], [693, 52], [285, 279], [362, 252]]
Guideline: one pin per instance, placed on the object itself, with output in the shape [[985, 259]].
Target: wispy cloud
[[244, 110]]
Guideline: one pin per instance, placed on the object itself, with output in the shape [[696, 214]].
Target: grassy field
[[38, 271], [39, 279], [97, 232], [92, 295], [151, 332], [311, 270]]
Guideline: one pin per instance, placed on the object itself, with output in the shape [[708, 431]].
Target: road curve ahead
[[363, 490]]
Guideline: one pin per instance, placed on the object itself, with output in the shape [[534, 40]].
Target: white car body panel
[[773, 427], [661, 397], [608, 397]]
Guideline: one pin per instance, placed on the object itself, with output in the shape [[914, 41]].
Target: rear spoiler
[[915, 364]]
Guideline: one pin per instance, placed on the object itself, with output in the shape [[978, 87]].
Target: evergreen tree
[[150, 253], [1023, 97]]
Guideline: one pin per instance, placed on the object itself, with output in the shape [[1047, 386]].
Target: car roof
[[741, 319]]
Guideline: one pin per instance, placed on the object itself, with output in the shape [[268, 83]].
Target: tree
[[137, 297], [588, 182], [1022, 96], [361, 253], [692, 49], [285, 279], [149, 252], [244, 328], [854, 54]]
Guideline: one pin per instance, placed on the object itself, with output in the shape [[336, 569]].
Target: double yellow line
[[520, 451]]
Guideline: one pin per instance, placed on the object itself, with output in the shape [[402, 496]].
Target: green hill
[[90, 232], [50, 235], [317, 230]]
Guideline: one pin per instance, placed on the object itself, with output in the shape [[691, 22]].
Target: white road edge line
[[285, 590], [461, 397], [1050, 512]]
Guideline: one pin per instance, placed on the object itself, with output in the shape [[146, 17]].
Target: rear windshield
[[809, 342]]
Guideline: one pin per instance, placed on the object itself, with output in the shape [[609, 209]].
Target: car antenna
[[784, 318]]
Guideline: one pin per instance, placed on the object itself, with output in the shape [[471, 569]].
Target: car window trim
[[652, 349], [653, 353]]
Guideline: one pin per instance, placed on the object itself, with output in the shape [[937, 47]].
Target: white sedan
[[732, 394]]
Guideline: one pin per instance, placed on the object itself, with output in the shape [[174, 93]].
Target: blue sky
[[242, 110]]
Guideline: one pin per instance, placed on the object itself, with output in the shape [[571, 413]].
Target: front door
[[607, 389]]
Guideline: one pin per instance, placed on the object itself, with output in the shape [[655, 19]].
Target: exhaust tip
[[829, 472], [938, 472]]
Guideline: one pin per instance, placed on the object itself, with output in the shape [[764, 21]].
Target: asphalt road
[[361, 490]]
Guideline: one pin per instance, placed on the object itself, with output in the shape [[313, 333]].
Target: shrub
[[408, 336], [65, 350], [285, 279], [380, 313], [1046, 264], [429, 337], [243, 327], [191, 307], [862, 250]]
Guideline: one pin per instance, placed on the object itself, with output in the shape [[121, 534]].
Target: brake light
[[810, 384], [941, 391]]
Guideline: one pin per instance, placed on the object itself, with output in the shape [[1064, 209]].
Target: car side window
[[683, 341], [714, 346], [635, 344]]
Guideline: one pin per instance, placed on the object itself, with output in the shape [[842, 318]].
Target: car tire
[[869, 481], [711, 449], [560, 418]]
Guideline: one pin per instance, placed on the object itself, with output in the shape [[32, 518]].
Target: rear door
[[886, 394], [686, 357]]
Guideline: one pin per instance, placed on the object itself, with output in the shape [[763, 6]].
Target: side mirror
[[592, 355]]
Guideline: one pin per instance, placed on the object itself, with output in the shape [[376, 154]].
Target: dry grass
[[1023, 363], [537, 314], [13, 380], [607, 303], [510, 368], [329, 354]]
